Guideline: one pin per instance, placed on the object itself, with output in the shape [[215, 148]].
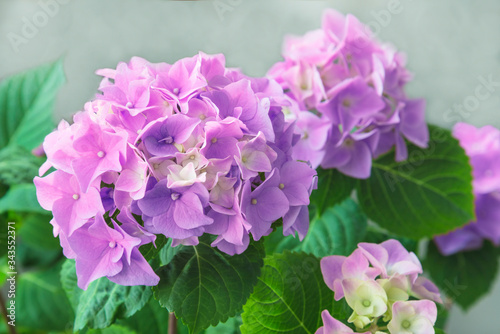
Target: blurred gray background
[[453, 46]]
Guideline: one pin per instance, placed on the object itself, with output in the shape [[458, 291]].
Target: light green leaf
[[18, 165], [204, 286], [429, 194], [103, 301], [21, 198], [337, 232], [289, 297], [464, 277], [231, 326], [26, 103], [167, 252], [115, 329], [333, 188]]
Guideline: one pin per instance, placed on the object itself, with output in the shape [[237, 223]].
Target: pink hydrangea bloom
[[354, 86]]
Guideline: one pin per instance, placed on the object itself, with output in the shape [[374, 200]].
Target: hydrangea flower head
[[377, 281], [346, 93], [177, 149]]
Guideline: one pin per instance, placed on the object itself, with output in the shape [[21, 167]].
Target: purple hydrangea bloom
[[177, 149], [103, 251], [354, 86]]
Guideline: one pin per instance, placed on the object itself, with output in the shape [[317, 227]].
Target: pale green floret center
[[281, 186], [254, 201], [366, 303], [214, 140], [112, 244], [76, 197], [406, 324], [101, 154]]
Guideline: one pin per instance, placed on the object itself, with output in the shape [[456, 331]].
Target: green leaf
[[204, 286], [464, 277], [152, 318], [41, 303], [375, 235], [231, 326], [26, 103], [18, 165], [69, 283], [167, 253], [428, 194], [333, 188], [439, 331], [150, 251], [289, 297], [337, 232], [103, 301], [21, 198], [115, 329], [36, 231], [442, 316]]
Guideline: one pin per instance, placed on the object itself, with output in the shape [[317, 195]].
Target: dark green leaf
[[464, 277], [428, 194], [337, 232], [26, 103], [150, 251], [289, 297], [152, 318], [333, 188], [277, 243], [36, 231], [41, 303], [204, 286], [32, 258], [376, 235], [103, 301]]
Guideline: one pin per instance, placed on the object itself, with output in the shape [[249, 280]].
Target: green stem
[[172, 323]]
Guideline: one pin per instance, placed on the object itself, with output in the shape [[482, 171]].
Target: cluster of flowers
[[379, 294], [348, 97], [483, 148], [179, 150]]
